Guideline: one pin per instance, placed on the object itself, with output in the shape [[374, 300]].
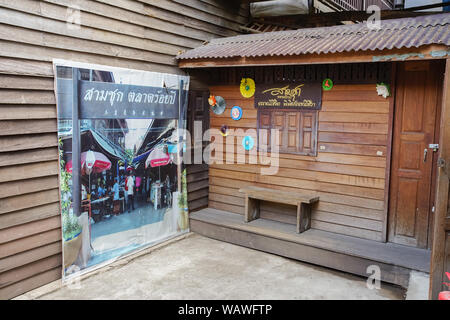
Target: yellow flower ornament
[[247, 87]]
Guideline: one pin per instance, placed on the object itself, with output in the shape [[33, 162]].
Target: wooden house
[[377, 165], [350, 225]]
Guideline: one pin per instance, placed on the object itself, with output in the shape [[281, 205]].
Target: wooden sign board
[[304, 96]]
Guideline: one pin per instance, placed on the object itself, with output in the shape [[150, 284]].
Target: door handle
[[425, 152]]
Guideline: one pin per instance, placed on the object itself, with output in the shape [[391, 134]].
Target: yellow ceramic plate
[[247, 87]]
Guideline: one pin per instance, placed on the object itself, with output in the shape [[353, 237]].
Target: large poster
[[122, 184]]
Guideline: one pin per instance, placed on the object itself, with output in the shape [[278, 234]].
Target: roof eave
[[426, 52]]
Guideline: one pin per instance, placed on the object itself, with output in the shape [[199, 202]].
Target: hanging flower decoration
[[327, 84], [212, 100], [383, 90], [224, 130], [247, 87]]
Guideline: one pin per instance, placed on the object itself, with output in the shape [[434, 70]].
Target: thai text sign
[[103, 100], [289, 96]]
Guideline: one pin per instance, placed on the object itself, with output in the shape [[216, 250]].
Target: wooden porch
[[336, 251]]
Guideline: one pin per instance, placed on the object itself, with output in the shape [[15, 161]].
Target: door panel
[[412, 160], [406, 207], [292, 131], [280, 123], [308, 133]]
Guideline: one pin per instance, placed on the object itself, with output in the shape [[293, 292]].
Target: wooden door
[[415, 119]]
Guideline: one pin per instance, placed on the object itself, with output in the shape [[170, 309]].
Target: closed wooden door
[[415, 120]]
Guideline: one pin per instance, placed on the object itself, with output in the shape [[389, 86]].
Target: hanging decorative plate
[[248, 143], [224, 130], [236, 113], [247, 87], [327, 84], [219, 104], [383, 90]]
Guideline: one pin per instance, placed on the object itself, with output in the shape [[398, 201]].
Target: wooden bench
[[253, 195]]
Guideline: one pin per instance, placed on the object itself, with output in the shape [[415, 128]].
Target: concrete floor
[[201, 268]]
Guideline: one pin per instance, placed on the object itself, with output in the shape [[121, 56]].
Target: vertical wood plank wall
[[348, 173], [143, 35], [197, 184], [197, 171]]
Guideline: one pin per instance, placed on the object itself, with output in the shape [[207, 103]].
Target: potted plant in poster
[[72, 238], [71, 228], [183, 203]]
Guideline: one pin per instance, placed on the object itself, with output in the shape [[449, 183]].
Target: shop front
[[332, 144]]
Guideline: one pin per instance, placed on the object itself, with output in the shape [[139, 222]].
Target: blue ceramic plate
[[248, 143], [236, 113]]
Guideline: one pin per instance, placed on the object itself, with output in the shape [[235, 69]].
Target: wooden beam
[[389, 153], [422, 53], [442, 193]]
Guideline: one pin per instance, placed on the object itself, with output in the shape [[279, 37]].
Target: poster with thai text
[[122, 155]]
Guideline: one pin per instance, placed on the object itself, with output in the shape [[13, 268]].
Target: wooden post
[[387, 179], [76, 148], [180, 136], [442, 193]]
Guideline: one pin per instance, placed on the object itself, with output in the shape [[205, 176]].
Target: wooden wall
[[143, 35], [348, 173], [197, 180], [197, 170]]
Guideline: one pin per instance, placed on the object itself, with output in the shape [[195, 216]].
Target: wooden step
[[340, 252]]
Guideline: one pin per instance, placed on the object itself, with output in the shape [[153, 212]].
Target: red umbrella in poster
[[158, 157], [91, 161]]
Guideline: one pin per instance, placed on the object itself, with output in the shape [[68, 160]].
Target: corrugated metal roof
[[395, 33]]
